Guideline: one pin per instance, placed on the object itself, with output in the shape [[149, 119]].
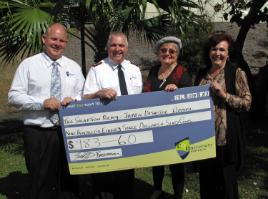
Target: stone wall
[[255, 49]]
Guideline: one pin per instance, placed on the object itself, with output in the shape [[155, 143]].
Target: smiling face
[[54, 41], [219, 54], [168, 54], [117, 48]]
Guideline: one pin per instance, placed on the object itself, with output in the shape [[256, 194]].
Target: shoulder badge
[[133, 64]]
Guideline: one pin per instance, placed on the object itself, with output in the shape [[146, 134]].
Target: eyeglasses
[[169, 50]]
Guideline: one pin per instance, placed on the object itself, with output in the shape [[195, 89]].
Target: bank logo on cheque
[[183, 147]]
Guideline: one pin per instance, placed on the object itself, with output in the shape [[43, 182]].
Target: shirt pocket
[[109, 82], [71, 83], [38, 85], [136, 84]]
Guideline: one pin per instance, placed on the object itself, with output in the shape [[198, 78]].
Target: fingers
[[170, 87], [218, 89], [66, 101], [52, 104], [107, 93]]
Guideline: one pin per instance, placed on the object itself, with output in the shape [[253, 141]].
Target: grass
[[253, 181], [12, 169]]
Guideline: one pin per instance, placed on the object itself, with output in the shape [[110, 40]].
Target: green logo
[[183, 147]]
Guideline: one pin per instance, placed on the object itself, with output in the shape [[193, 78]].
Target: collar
[[49, 61], [115, 65]]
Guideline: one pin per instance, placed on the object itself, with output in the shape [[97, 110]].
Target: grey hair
[[117, 34]]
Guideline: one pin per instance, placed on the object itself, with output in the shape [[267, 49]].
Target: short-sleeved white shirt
[[105, 75]]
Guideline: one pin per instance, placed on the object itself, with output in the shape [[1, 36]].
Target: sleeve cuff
[[38, 106]]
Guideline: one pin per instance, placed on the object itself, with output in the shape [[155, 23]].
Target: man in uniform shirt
[[104, 81], [41, 85]]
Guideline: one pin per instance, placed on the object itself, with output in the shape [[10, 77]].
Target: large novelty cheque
[[149, 129]]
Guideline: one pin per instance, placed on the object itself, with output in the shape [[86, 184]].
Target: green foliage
[[193, 39], [22, 25], [243, 11], [242, 8], [24, 21]]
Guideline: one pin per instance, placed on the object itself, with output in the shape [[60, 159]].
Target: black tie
[[122, 81]]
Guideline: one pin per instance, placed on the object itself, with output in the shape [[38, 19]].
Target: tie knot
[[119, 66]]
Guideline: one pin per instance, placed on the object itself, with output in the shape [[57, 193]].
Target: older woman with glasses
[[168, 75]]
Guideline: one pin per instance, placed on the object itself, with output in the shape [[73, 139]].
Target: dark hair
[[215, 38]]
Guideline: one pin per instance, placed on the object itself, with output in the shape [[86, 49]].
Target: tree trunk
[[249, 21], [82, 34]]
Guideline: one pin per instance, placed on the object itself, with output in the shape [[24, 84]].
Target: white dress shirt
[[105, 75], [31, 86]]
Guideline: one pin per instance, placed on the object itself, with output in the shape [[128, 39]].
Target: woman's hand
[[218, 90], [170, 87]]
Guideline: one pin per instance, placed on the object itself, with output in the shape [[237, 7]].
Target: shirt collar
[[49, 61], [114, 65]]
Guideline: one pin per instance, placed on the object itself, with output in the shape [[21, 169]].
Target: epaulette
[[133, 63], [96, 64]]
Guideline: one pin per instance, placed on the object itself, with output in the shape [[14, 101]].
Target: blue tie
[[55, 90]]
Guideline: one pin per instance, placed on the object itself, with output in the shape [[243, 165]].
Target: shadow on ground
[[143, 190], [256, 157], [14, 186], [10, 126], [10, 135]]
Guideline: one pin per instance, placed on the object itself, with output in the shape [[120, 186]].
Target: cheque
[[144, 130]]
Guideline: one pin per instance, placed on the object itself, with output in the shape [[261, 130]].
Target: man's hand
[[107, 93], [66, 101], [52, 104]]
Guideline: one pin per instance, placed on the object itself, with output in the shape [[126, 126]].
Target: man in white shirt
[[41, 85], [104, 81]]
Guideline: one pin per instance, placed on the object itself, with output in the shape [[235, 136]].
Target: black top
[[178, 76]]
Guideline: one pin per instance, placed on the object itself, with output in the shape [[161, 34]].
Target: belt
[[42, 128]]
